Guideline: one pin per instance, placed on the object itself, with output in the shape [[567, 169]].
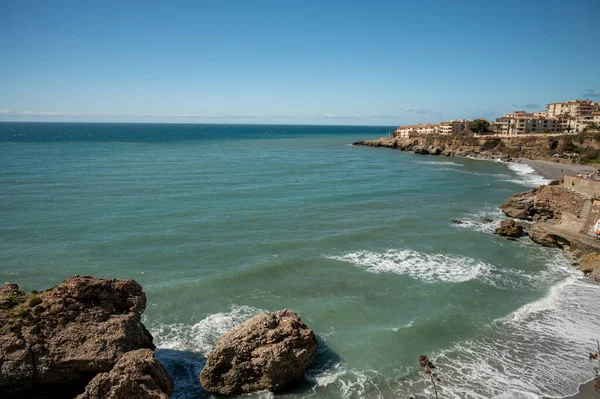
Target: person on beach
[[597, 228]]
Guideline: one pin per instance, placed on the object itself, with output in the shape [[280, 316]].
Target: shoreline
[[553, 170], [556, 171], [586, 391]]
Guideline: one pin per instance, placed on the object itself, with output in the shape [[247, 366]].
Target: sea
[[222, 222]]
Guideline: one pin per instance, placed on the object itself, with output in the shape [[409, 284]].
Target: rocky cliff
[[554, 218], [562, 148]]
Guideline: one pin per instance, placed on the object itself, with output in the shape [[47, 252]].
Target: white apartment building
[[520, 122], [574, 115], [452, 127], [409, 130]]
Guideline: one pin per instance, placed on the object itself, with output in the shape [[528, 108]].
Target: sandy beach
[[556, 171], [586, 391]]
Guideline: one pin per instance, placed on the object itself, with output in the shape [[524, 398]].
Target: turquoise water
[[220, 222]]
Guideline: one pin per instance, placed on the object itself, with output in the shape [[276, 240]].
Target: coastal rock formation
[[543, 203], [420, 150], [560, 148], [137, 375], [60, 338], [434, 150], [520, 206], [509, 228], [590, 265], [266, 352], [542, 237]]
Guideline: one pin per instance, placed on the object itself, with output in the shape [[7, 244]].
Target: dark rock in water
[[419, 149], [456, 221], [509, 228], [137, 375], [266, 352], [487, 220], [64, 336]]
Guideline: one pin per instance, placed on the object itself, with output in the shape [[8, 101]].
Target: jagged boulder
[[520, 205], [590, 265], [509, 228], [419, 149], [60, 338], [137, 375], [434, 150], [266, 352]]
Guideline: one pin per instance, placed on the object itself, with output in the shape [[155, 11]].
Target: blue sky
[[309, 62]]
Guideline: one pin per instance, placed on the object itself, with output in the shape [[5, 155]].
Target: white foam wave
[[347, 383], [408, 325], [446, 163], [202, 336], [540, 350], [475, 221], [425, 267], [527, 175]]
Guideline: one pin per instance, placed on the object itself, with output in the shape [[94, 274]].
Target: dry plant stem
[[434, 387]]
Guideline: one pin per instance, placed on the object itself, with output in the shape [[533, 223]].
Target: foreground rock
[[509, 228], [266, 352], [137, 375], [56, 341]]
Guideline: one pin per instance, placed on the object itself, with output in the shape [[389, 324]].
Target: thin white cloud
[[421, 111], [10, 112], [336, 116]]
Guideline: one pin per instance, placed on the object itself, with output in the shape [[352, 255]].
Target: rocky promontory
[[52, 343], [554, 216], [557, 148]]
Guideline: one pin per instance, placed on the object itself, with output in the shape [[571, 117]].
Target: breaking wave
[[527, 175], [202, 336], [539, 350], [445, 163], [476, 221], [425, 267], [447, 268]]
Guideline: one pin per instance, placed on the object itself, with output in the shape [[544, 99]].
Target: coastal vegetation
[[479, 125]]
